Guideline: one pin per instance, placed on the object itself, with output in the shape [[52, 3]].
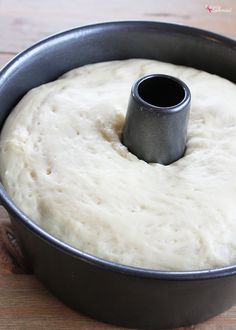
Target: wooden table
[[24, 302]]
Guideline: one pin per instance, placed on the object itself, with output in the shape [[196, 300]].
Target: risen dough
[[62, 162]]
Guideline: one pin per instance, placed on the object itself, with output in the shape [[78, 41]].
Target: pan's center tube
[[155, 128]]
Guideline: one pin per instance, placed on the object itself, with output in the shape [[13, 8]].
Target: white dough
[[62, 163]]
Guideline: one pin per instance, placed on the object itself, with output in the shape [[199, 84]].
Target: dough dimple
[[62, 163]]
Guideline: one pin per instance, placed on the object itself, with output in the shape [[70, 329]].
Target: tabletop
[[24, 302]]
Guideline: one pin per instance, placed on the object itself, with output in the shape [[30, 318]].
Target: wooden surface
[[24, 303]]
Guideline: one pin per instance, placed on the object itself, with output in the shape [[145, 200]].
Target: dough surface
[[62, 163]]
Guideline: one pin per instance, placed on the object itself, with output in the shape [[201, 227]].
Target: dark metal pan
[[110, 292]]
